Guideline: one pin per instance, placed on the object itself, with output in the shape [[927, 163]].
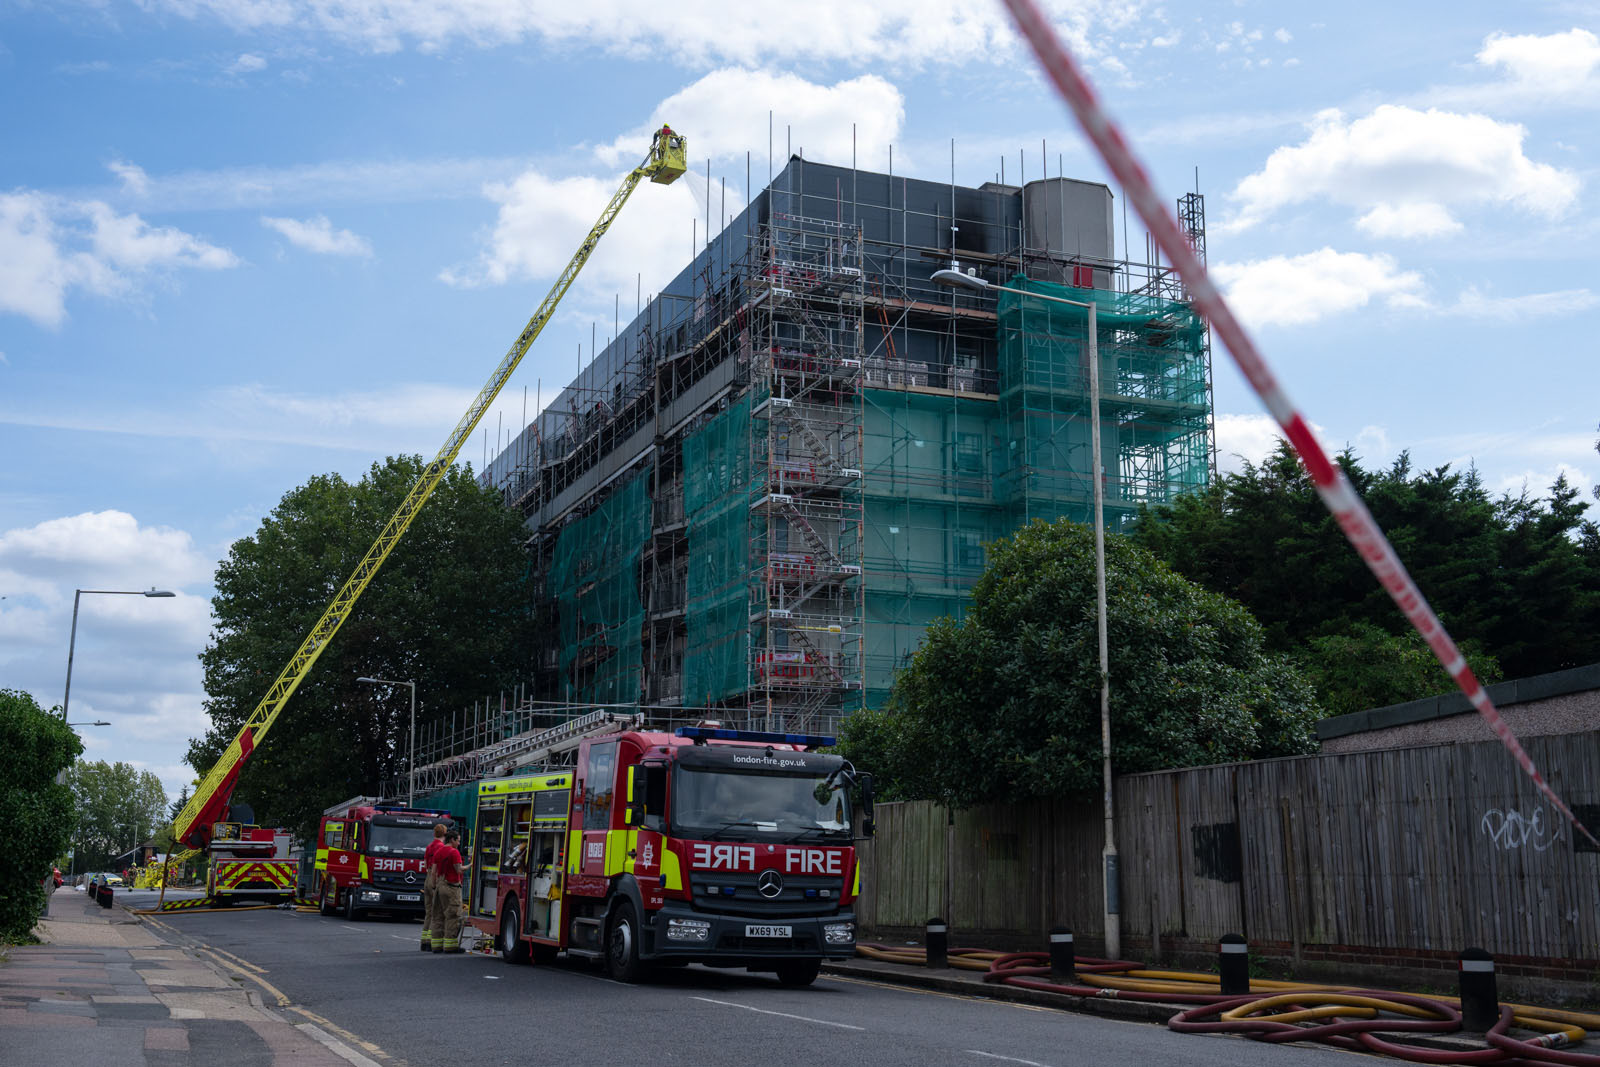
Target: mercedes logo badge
[[411, 878], [770, 884]]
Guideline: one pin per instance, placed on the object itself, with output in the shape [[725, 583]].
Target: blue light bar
[[717, 733]]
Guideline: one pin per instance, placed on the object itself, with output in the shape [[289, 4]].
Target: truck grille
[[747, 900]]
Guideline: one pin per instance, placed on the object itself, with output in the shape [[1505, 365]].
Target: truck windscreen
[[714, 803], [399, 840]]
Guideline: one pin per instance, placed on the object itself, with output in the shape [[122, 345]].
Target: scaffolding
[[753, 500]]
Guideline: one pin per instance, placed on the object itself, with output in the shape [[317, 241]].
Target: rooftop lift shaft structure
[[667, 159]]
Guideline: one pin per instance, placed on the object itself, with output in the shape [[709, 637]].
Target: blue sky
[[243, 242]]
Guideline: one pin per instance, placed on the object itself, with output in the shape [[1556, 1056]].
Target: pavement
[[108, 987]]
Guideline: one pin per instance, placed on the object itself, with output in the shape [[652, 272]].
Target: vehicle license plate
[[407, 898], [769, 931]]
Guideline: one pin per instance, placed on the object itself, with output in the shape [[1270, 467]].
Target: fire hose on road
[[1275, 1011]]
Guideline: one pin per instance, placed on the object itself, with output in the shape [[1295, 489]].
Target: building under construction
[[758, 495]]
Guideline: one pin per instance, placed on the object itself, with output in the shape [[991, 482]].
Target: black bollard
[[938, 944], [1062, 965], [1480, 1001], [1233, 961], [104, 897]]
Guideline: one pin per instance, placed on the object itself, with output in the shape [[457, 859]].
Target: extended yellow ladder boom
[[668, 158]]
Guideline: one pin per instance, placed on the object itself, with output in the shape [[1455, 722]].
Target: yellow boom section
[[666, 161]]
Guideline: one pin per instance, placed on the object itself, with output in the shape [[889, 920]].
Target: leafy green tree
[[119, 808], [1371, 668], [1516, 578], [35, 811], [1005, 705], [449, 611]]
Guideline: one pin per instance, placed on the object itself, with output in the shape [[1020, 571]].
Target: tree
[[1515, 576], [1372, 668], [36, 812], [1004, 705], [449, 611], [119, 808]]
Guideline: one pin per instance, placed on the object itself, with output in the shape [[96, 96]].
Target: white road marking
[[1008, 1059], [357, 929], [780, 1014], [334, 1045]]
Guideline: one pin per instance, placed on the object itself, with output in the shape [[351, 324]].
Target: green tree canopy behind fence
[[1005, 705]]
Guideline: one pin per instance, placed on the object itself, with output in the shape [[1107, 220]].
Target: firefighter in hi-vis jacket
[[430, 889], [447, 862]]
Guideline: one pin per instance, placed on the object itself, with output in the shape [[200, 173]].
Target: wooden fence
[[1410, 854]]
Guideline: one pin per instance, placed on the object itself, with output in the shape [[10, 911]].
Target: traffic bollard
[[1480, 1001], [938, 944], [103, 898], [1062, 964], [1233, 962]]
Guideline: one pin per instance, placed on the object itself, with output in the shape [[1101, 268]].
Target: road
[[370, 983]]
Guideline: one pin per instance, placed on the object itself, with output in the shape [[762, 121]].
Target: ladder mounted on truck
[[665, 163]]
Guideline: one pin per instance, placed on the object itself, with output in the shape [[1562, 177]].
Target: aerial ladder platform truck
[[206, 815]]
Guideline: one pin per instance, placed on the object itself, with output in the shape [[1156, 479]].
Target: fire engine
[[369, 857], [724, 847], [248, 862]]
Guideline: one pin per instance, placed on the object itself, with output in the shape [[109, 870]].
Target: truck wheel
[[327, 900], [622, 945], [798, 973], [350, 911], [513, 946]]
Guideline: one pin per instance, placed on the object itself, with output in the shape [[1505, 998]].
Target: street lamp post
[[411, 753], [956, 279], [72, 641]]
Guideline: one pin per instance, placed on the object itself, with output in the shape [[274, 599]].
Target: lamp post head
[[955, 278], [364, 678], [159, 592]]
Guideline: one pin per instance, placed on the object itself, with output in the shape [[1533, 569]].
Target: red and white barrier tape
[[1334, 488]]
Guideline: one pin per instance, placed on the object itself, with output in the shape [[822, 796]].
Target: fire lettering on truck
[[812, 861], [389, 865], [725, 857]]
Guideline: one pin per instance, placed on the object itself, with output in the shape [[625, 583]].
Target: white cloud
[[1554, 64], [1474, 303], [1282, 35], [247, 64], [134, 179], [907, 33], [103, 546], [1408, 220], [135, 662], [1243, 438], [50, 246], [317, 235], [1536, 482], [725, 113], [1295, 290], [541, 221], [1401, 162]]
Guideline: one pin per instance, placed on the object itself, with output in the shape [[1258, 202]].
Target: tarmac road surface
[[370, 983]]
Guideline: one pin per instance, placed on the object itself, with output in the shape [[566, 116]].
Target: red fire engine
[[369, 857], [723, 847]]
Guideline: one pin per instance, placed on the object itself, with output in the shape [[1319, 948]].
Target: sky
[[246, 242]]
